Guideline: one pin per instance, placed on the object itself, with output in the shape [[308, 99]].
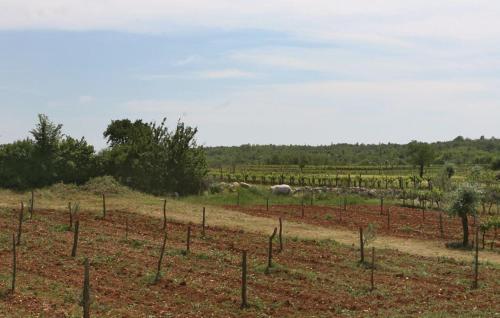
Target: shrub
[[106, 184]]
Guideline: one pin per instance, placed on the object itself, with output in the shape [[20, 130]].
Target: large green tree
[[421, 154], [149, 157], [47, 158]]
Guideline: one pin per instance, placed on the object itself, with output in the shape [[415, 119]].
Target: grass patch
[[60, 228]]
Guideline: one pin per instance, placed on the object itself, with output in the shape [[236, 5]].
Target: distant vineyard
[[398, 177]]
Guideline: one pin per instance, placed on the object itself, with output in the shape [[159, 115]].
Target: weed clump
[[105, 184]]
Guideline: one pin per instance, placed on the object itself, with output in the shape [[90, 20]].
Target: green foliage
[[495, 165], [105, 184], [460, 151], [464, 201], [421, 154], [144, 156], [49, 158], [450, 170], [150, 158], [17, 165]]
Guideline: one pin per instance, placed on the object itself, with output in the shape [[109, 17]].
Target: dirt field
[[310, 278], [403, 222]]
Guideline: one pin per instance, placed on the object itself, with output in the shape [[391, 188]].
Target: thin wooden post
[[423, 212], [312, 198], [103, 206], [14, 263], [86, 290], [20, 225], [244, 303], [188, 240], [372, 269], [267, 204], [381, 205], [32, 204], [302, 210], [75, 238], [126, 229], [345, 203], [238, 198], [361, 245], [389, 218], [162, 251], [280, 235], [270, 251], [203, 223], [441, 228], [164, 214], [340, 209], [70, 217], [476, 262]]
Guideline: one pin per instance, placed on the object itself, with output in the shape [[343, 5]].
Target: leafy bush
[[495, 165]]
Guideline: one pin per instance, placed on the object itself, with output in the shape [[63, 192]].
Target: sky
[[259, 72]]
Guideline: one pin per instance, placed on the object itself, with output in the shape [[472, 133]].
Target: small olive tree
[[463, 204]]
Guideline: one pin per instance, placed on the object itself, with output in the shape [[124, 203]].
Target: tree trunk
[[421, 171], [465, 226]]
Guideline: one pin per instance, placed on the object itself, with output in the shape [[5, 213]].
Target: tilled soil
[[402, 222], [320, 279]]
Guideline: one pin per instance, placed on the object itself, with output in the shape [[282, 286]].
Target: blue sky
[[285, 72]]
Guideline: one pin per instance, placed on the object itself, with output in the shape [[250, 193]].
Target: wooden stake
[[441, 229], [162, 251], [188, 241], [281, 235], [70, 217], [381, 205], [372, 269], [238, 199], [267, 204], [270, 251], [20, 225], [389, 218], [203, 223], [86, 290], [75, 238], [32, 204], [126, 229], [361, 245], [244, 303], [103, 206], [14, 263], [164, 215], [476, 261]]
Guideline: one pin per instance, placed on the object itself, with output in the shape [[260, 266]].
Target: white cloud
[[85, 99], [188, 60], [225, 73], [382, 21], [205, 75]]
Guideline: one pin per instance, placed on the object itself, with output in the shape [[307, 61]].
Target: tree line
[[458, 151], [145, 156]]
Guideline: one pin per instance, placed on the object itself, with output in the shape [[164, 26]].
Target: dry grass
[[180, 211]]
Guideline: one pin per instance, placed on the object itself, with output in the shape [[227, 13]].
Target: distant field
[[330, 175], [344, 169]]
